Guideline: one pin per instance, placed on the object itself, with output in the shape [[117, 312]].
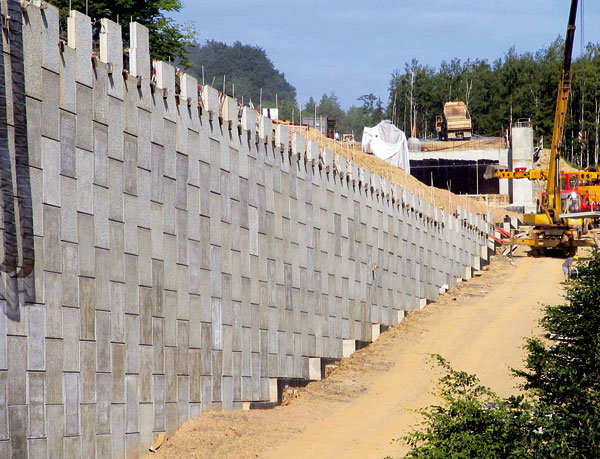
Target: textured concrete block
[[4, 431], [37, 413], [36, 333], [282, 139], [100, 154], [327, 160], [50, 103], [139, 59], [88, 431], [165, 79], [52, 252], [158, 171], [132, 331], [157, 235], [111, 53], [348, 347], [86, 251], [145, 379], [72, 447], [67, 144], [103, 399], [54, 372], [85, 177], [17, 421], [115, 128], [132, 446], [103, 446], [130, 157], [71, 404], [68, 210], [312, 152], [101, 212], [103, 351], [87, 353], [79, 29], [182, 181], [117, 418], [17, 364], [265, 129], [38, 448], [71, 321], [32, 53], [131, 410], [314, 368], [51, 162], [116, 246], [188, 102], [67, 79], [49, 38], [298, 145], [146, 423], [33, 108], [132, 96], [230, 111], [248, 119], [55, 430], [210, 101]]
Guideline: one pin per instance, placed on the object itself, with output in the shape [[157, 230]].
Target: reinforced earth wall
[[165, 252]]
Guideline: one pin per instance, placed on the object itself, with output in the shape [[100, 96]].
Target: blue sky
[[352, 47]]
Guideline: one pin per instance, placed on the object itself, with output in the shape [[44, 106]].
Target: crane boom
[[552, 197], [551, 228]]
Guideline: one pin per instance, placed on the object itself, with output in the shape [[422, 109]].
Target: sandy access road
[[480, 326]]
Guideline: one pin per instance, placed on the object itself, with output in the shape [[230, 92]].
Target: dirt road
[[479, 326]]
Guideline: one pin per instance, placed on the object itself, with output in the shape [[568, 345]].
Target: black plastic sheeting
[[461, 176]]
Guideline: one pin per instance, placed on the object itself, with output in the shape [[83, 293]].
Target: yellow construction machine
[[553, 228], [455, 123]]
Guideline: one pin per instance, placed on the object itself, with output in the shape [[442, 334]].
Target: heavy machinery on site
[[555, 225], [583, 185], [455, 123]]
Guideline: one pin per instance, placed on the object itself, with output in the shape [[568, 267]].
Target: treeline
[[516, 86], [247, 73]]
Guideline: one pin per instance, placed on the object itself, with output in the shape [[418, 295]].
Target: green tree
[[168, 40], [559, 415]]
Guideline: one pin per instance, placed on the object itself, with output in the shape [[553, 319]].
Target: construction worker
[[568, 265]]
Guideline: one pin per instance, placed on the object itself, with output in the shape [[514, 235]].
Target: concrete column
[[522, 156]]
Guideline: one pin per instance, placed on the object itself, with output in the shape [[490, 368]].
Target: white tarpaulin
[[387, 142]]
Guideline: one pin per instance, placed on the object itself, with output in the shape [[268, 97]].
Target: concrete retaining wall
[[185, 256]]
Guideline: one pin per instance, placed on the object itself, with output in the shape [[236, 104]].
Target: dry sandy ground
[[480, 326]]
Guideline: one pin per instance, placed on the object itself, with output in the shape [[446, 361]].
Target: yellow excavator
[[553, 229]]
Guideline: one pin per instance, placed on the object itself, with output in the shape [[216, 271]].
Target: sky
[[352, 47]]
